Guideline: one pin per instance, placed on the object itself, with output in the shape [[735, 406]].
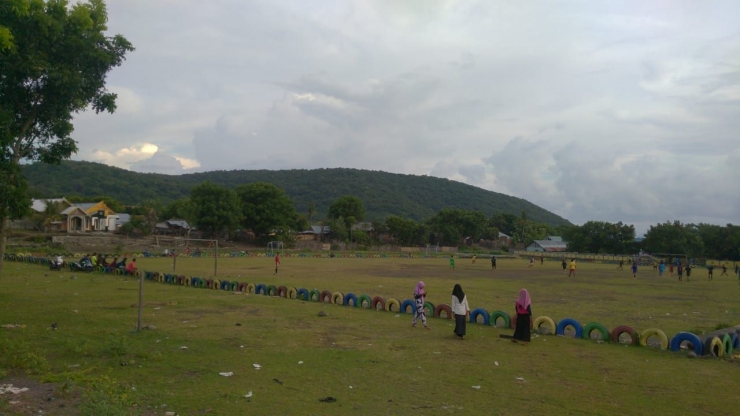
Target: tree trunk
[[3, 232]]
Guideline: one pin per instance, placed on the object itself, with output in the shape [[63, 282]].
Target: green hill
[[409, 196]]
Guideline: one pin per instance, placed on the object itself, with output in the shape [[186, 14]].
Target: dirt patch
[[39, 399]]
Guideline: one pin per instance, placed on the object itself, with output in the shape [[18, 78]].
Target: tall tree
[[311, 211], [347, 207], [673, 238], [54, 60], [215, 208], [266, 208]]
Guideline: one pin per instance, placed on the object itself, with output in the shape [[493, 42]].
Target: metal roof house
[[550, 244]]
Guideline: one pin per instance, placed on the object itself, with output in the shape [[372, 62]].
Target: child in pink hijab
[[523, 317], [419, 295]]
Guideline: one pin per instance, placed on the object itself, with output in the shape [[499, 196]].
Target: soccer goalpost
[[432, 249], [274, 247]]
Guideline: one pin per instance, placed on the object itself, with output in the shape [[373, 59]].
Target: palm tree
[[311, 211]]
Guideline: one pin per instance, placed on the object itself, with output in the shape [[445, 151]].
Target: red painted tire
[[624, 329], [209, 283], [442, 308], [378, 300], [282, 291], [325, 297], [242, 287]]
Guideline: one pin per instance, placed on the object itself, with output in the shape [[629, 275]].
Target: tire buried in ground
[[443, 307], [365, 298], [654, 332], [282, 291], [251, 288], [546, 320], [292, 293], [378, 300], [480, 312], [624, 329], [337, 298], [302, 294], [390, 303], [727, 345], [314, 294], [350, 297], [595, 326], [271, 290], [260, 289], [325, 297], [564, 323], [692, 339], [495, 315], [713, 345], [408, 303]]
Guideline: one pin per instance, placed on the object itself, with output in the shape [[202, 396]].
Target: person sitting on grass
[[131, 268], [122, 264]]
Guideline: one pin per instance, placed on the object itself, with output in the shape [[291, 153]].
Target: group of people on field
[[461, 311]]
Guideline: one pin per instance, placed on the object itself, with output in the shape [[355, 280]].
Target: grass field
[[372, 362]]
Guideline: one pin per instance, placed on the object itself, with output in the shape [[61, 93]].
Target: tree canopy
[[216, 209], [601, 237], [54, 59], [348, 207], [265, 208]]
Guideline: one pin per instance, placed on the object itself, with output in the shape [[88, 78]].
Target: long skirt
[[523, 331], [460, 325]]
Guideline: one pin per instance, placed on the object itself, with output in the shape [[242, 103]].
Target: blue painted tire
[[409, 303], [735, 341], [570, 322], [687, 336], [225, 285], [350, 297], [302, 294], [480, 311], [260, 287]]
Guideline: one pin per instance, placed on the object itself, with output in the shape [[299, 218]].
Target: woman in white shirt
[[461, 310]]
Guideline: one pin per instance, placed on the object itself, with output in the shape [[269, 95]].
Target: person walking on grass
[[542, 260], [531, 262], [670, 269], [523, 306], [661, 269], [710, 272], [621, 265], [724, 270], [565, 265], [474, 257], [493, 262], [277, 262], [680, 272], [460, 309], [688, 271], [572, 271], [634, 269], [452, 261], [419, 295]]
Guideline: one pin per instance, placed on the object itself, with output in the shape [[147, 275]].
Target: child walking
[[419, 295], [452, 261]]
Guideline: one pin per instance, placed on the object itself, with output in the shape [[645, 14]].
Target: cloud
[[621, 112]]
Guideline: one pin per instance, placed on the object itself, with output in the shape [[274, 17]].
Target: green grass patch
[[372, 362]]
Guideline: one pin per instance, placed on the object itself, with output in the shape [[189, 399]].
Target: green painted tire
[[727, 344], [595, 326], [271, 290], [364, 298], [312, 293], [500, 314], [429, 308]]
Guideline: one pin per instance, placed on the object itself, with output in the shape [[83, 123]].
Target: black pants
[[523, 331], [460, 325]]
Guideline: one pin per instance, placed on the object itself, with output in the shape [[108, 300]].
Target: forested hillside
[[408, 196]]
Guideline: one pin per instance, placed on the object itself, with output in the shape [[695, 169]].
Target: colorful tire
[[260, 289], [271, 290], [713, 345], [325, 297], [408, 303], [377, 300], [624, 329], [251, 288], [727, 345], [735, 341], [595, 326], [242, 287], [292, 293], [570, 322], [687, 337], [480, 312], [117, 271], [337, 298], [314, 293], [194, 282], [235, 286], [181, 280], [209, 283], [493, 318], [390, 302], [216, 284], [540, 320], [282, 291], [365, 298], [654, 332], [302, 294], [429, 308], [442, 307], [225, 285], [188, 281], [350, 297]]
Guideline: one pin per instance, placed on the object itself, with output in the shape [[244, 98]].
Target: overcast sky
[[616, 111]]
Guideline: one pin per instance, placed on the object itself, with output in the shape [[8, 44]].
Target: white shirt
[[460, 308]]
